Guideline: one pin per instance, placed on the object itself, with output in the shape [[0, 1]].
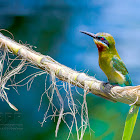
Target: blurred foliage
[[130, 122]]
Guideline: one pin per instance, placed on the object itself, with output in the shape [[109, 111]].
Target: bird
[[109, 59]]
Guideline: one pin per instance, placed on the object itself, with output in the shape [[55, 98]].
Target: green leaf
[[130, 122]]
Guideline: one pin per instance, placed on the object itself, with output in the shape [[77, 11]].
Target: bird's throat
[[101, 47]]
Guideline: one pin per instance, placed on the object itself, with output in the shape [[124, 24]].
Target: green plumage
[[120, 67], [109, 59]]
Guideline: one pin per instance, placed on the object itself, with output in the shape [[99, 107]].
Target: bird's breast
[[114, 77]]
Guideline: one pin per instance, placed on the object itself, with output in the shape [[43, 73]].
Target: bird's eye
[[102, 38]]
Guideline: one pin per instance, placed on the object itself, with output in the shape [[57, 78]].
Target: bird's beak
[[92, 35], [98, 43], [88, 33]]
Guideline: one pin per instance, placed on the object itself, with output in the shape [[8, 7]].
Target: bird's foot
[[110, 84]]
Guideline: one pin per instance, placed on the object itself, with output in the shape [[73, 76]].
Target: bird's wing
[[118, 65]]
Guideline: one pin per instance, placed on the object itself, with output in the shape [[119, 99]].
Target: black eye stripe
[[103, 40], [106, 42]]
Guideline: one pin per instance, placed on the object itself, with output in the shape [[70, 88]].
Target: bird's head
[[103, 41]]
